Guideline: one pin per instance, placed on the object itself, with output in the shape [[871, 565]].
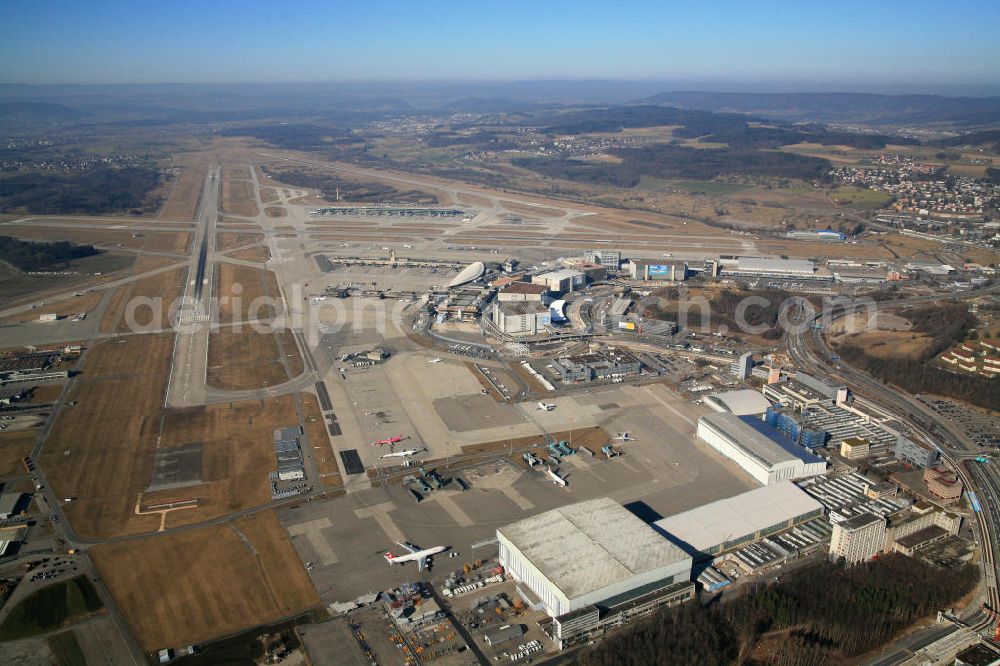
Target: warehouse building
[[520, 317], [597, 365], [610, 258], [525, 291], [656, 269], [712, 529], [764, 453], [562, 280], [742, 402], [858, 539], [779, 268], [586, 561]]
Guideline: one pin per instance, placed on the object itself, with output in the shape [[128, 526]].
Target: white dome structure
[[473, 271]]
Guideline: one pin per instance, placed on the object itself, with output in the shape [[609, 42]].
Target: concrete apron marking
[[380, 512], [312, 530], [453, 510], [671, 408]]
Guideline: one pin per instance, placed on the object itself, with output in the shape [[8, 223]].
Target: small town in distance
[[485, 367]]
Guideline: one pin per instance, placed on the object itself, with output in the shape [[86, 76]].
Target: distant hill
[[38, 112], [842, 107]]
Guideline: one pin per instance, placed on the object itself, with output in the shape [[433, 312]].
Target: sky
[[807, 43]]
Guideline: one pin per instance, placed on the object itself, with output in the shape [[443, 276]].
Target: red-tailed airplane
[[390, 441], [413, 554]]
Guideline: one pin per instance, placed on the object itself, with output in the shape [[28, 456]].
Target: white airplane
[[434, 360], [403, 454], [624, 437], [556, 479], [545, 406], [413, 555]]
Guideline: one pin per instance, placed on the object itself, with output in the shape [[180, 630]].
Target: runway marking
[[313, 534], [380, 512], [628, 465], [453, 510]]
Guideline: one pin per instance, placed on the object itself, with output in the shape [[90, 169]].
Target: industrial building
[[610, 258], [858, 539], [915, 518], [520, 317], [742, 402], [915, 453], [713, 529], [763, 452], [587, 556], [855, 448], [776, 268], [656, 269], [601, 364], [743, 366], [592, 272], [464, 303], [796, 426], [562, 280], [525, 291], [801, 390], [943, 484], [847, 495]]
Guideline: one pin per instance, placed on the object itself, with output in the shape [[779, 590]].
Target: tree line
[[818, 615], [32, 256], [97, 190]]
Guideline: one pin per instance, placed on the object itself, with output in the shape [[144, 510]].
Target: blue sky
[[221, 41]]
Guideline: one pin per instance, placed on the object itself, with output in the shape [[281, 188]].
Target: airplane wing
[[421, 563], [408, 547]]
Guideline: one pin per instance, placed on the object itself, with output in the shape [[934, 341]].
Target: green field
[[66, 649], [50, 608], [14, 284], [859, 199], [709, 187]]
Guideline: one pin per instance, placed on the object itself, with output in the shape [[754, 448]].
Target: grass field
[[244, 359], [237, 287], [111, 239], [50, 608], [71, 306], [162, 291], [14, 446], [238, 198], [268, 194], [182, 203], [227, 240], [860, 199], [275, 211], [234, 576], [258, 253], [17, 287], [115, 308]]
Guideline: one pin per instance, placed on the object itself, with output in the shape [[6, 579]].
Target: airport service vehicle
[[413, 554], [545, 406], [389, 440], [434, 360], [624, 437], [554, 476]]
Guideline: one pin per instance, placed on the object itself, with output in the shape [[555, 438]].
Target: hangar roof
[[741, 403]]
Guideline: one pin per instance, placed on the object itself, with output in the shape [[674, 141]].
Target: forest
[[818, 615], [947, 325], [97, 190], [32, 256]]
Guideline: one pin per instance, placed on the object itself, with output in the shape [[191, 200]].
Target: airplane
[[390, 441], [413, 555], [403, 454], [624, 437], [434, 360], [545, 406], [556, 479]]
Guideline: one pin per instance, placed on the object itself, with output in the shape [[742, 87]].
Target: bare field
[[244, 359], [182, 202], [268, 194], [258, 253], [318, 436], [71, 306], [100, 449], [14, 446], [240, 290], [534, 211], [473, 200], [230, 171], [888, 344], [116, 306], [45, 394], [238, 198], [150, 300], [275, 211], [227, 240], [190, 587]]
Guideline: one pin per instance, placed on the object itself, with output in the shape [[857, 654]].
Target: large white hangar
[[586, 553], [762, 451], [715, 528]]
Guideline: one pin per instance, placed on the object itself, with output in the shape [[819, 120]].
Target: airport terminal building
[[763, 452], [593, 564]]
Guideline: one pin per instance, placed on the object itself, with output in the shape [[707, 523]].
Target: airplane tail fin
[[389, 557]]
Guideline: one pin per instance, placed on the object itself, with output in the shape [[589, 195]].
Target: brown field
[[14, 446], [71, 306], [236, 172], [227, 240], [889, 344], [254, 283], [293, 356], [238, 198], [46, 394], [116, 306], [275, 211], [167, 287], [226, 586], [473, 200], [258, 253], [89, 221], [148, 241], [268, 194], [244, 359], [318, 436], [531, 211], [236, 223], [182, 202], [100, 449]]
